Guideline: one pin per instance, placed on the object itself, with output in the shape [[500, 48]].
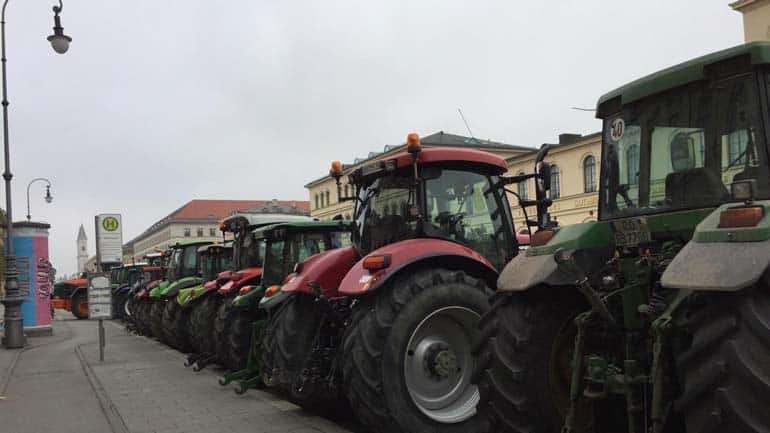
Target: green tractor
[[182, 272], [656, 318], [286, 246], [212, 260]]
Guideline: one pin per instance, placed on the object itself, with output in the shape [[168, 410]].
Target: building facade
[[199, 219], [324, 200], [756, 19]]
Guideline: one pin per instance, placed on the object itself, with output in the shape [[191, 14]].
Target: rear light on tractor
[[541, 238], [244, 290], [272, 290], [741, 217], [376, 262]]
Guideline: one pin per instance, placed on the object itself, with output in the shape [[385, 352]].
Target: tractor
[[182, 273], [286, 244], [389, 321], [209, 321], [72, 295], [656, 317], [122, 279], [139, 295]]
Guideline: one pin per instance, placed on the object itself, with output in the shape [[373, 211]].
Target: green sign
[[110, 224]]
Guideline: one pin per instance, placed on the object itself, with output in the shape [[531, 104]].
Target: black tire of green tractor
[[292, 335], [202, 323], [239, 336], [221, 329], [142, 313], [77, 310], [514, 353], [269, 347], [156, 317], [376, 342], [173, 326], [724, 367]]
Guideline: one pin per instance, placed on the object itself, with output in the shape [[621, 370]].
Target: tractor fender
[[408, 255], [248, 276], [249, 298], [324, 271], [268, 303], [717, 266], [721, 258]]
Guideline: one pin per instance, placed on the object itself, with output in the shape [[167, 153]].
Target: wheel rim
[[438, 365], [126, 308]]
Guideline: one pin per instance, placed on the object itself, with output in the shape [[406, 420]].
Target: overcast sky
[[159, 102]]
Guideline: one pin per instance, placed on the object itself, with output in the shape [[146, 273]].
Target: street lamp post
[[14, 327], [48, 197]]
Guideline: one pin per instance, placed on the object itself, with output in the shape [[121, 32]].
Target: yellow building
[[756, 18], [324, 202], [575, 163]]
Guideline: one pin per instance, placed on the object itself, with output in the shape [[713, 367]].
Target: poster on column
[[30, 246], [109, 238]]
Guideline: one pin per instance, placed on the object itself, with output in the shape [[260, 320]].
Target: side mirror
[[543, 171]]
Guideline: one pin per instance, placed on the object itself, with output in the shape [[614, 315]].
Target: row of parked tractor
[[425, 314]]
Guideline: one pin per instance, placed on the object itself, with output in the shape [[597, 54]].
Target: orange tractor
[[71, 295]]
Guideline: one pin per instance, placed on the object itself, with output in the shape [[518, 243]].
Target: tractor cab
[[214, 259], [694, 146], [438, 193]]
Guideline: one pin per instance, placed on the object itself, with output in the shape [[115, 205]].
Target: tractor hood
[[239, 279], [173, 288], [324, 271]]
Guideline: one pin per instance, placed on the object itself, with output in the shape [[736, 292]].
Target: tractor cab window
[[385, 212], [273, 268], [251, 251], [463, 207], [206, 264], [683, 148], [190, 261], [174, 264], [224, 260]]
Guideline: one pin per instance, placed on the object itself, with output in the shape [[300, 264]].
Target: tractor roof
[[310, 226], [260, 219], [186, 243], [215, 246], [687, 72], [432, 155]]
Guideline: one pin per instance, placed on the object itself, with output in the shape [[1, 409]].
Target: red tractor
[[390, 321]]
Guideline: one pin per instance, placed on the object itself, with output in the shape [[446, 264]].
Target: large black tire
[[724, 368], [516, 363], [290, 336], [202, 323], [78, 305], [239, 336], [174, 325], [117, 306], [143, 314], [155, 319], [377, 350], [221, 329]]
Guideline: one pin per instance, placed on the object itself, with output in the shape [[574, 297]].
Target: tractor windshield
[[451, 203], [682, 149], [283, 254], [250, 250], [174, 264]]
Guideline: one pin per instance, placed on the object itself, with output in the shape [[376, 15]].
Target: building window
[[632, 164], [187, 232], [200, 232], [327, 198], [316, 202], [522, 188], [555, 174], [589, 174], [346, 190], [737, 141], [212, 232]]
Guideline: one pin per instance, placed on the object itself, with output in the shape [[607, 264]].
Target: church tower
[[82, 249]]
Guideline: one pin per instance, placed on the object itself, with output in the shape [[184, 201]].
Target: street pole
[[14, 326]]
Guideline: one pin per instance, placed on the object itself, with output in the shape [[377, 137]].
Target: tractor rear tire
[[239, 336], [221, 330], [202, 323], [79, 306], [724, 367], [290, 336], [174, 326], [516, 363], [142, 316], [408, 345], [155, 319]]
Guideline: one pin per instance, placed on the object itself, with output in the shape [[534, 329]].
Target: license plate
[[631, 232]]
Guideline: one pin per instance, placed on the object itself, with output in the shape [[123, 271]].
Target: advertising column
[[30, 246]]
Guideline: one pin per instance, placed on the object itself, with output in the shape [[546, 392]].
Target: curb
[[111, 413]]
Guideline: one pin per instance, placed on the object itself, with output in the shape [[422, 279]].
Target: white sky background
[[159, 102]]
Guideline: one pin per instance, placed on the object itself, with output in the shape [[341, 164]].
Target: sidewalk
[[58, 384]]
